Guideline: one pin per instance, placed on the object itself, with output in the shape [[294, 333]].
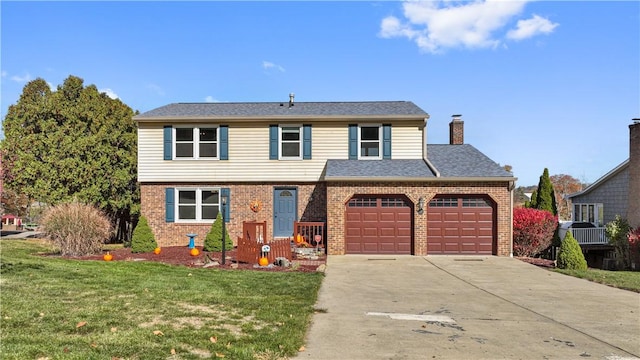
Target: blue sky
[[539, 84]]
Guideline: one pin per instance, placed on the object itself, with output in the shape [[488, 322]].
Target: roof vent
[[291, 96]]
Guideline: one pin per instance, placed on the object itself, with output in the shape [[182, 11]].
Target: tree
[[570, 255], [533, 231], [73, 143], [143, 239], [564, 185], [545, 198], [618, 232], [213, 241]]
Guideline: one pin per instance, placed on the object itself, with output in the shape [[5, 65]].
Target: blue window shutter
[[169, 207], [168, 142], [386, 141], [273, 142], [225, 193], [306, 142], [353, 142], [224, 142]]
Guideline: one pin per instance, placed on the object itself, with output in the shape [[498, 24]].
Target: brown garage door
[[460, 225], [378, 225]]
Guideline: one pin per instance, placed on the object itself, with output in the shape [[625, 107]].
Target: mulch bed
[[545, 263], [180, 255]]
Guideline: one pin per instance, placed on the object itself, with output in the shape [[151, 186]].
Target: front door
[[284, 211]]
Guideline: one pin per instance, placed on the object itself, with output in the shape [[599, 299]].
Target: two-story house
[[363, 168]]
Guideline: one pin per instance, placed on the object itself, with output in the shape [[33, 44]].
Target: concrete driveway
[[460, 307]]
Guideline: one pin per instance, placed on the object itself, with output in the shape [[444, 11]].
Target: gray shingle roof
[[282, 109], [377, 169], [451, 161], [463, 161]]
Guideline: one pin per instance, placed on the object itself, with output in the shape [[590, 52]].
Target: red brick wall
[[339, 193], [311, 207], [319, 202]]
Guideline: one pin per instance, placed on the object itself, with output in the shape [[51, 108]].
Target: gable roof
[[282, 110], [624, 165], [450, 162]]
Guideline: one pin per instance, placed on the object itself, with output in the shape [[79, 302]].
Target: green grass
[[70, 309], [627, 280]]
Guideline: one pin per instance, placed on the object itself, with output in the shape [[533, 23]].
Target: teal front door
[[284, 211]]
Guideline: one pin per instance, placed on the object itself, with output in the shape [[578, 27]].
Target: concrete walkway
[[459, 307]]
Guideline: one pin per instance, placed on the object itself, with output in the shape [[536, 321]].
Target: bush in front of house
[[76, 229], [213, 241], [570, 255], [533, 231], [618, 232], [143, 239]]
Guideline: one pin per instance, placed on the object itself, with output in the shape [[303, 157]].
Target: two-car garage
[[384, 224]]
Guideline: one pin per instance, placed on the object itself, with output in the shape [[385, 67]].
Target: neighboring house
[[363, 168], [615, 193]]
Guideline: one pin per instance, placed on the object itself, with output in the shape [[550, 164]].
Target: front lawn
[[54, 308], [628, 280]]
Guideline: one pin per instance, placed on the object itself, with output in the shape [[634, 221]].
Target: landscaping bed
[[180, 255]]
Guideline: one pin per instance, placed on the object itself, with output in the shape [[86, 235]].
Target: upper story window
[[196, 142], [197, 204], [593, 213], [370, 142], [290, 142]]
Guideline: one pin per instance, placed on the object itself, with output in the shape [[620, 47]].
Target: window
[[369, 142], [196, 142], [290, 144], [444, 202], [199, 204], [593, 213]]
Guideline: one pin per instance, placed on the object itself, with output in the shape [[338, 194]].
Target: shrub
[[634, 249], [570, 255], [618, 232], [533, 231], [213, 241], [76, 229], [143, 239]]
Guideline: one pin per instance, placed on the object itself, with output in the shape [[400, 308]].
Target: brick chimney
[[633, 210], [456, 130]]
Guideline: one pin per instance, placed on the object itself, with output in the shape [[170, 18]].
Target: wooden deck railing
[[312, 232], [590, 236]]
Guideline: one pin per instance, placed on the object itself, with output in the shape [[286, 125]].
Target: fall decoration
[[157, 250], [263, 261], [255, 205], [299, 239], [194, 252], [107, 257]]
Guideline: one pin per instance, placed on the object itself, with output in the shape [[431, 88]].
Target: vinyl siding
[[249, 154]]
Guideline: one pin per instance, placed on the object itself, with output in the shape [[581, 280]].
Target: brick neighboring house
[[615, 193], [363, 168]]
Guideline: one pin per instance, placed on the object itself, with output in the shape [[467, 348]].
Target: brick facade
[[320, 202], [456, 131], [338, 194], [311, 207]]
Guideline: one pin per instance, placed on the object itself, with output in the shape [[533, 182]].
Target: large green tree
[[73, 143], [544, 198]]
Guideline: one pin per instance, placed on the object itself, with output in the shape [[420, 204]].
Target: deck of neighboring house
[[595, 247]]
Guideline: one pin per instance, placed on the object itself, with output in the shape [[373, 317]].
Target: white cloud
[[109, 93], [25, 78], [156, 88], [531, 27], [438, 25], [4, 73], [210, 99], [269, 65]]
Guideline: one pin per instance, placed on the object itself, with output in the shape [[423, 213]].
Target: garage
[[378, 225], [460, 225]]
